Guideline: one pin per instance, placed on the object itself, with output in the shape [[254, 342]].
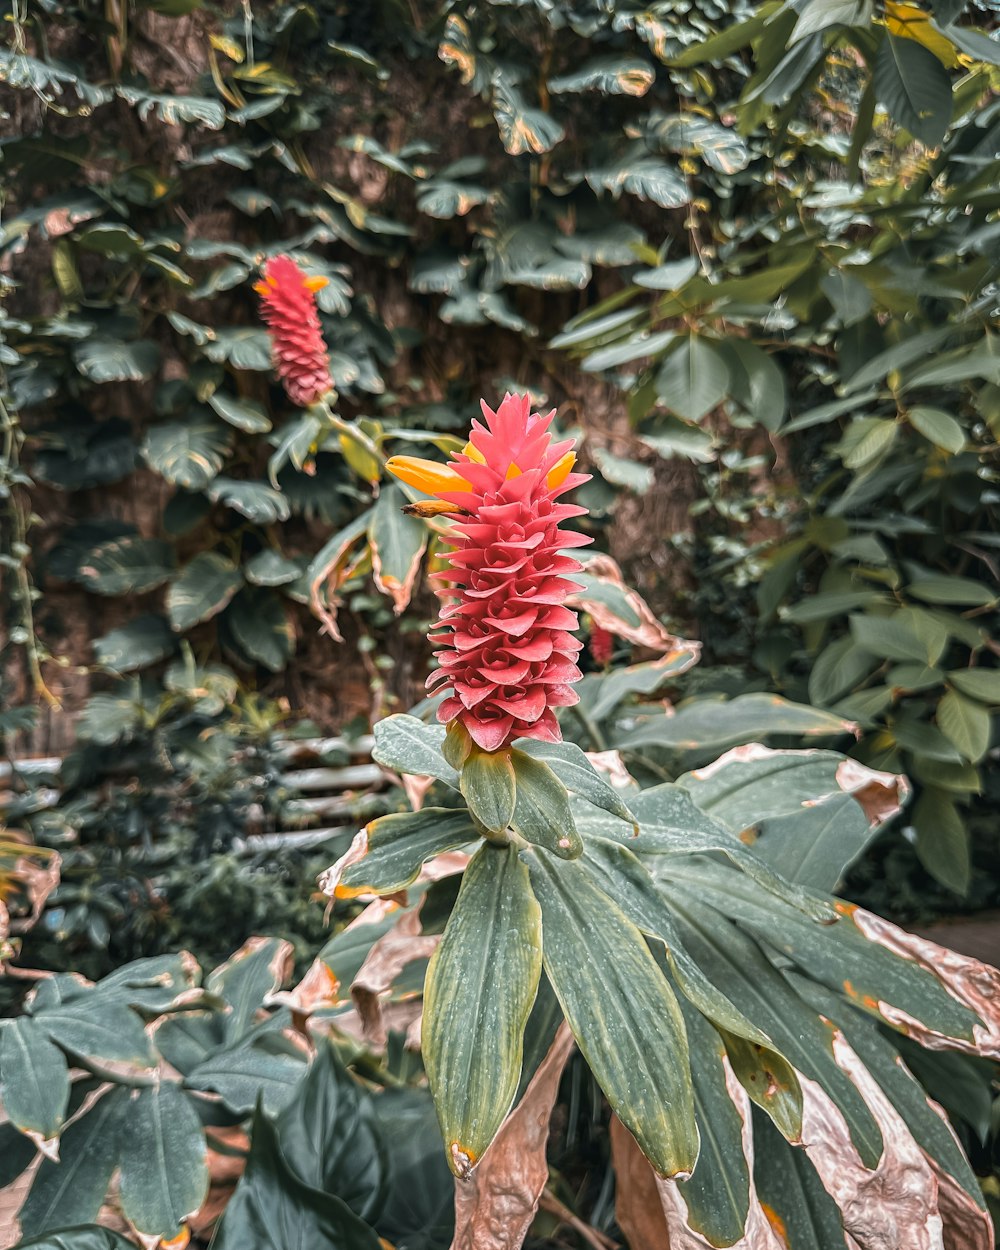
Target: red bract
[[509, 657], [288, 306]]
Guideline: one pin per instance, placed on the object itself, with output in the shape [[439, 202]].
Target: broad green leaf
[[693, 379], [397, 543], [272, 1209], [127, 566], [837, 669], [175, 109], [72, 1191], [111, 360], [110, 1034], [266, 1071], [270, 568], [487, 785], [821, 14], [420, 1208], [81, 1237], [241, 347], [866, 441], [770, 1081], [135, 645], [849, 296], [942, 839], [574, 770], [917, 347], [485, 973], [34, 1079], [966, 724], [186, 453], [331, 1139], [261, 628], [244, 414], [962, 591], [668, 277], [709, 724], [978, 683], [898, 637], [645, 177], [411, 746], [542, 814], [397, 846], [938, 427], [259, 968], [623, 1013], [164, 1175], [720, 147], [756, 382], [257, 501], [202, 589], [914, 87]]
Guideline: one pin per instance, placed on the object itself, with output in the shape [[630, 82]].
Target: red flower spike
[[288, 306], [508, 657]]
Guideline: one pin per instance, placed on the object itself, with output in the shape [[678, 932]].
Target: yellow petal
[[561, 470], [265, 286], [430, 476], [317, 283], [473, 453]]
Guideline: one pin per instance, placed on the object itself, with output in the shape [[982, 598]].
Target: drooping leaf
[[390, 852], [493, 938]]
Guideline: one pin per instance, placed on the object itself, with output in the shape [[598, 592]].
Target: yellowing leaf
[[908, 22]]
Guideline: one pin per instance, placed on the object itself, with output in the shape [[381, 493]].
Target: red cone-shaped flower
[[508, 657], [288, 306]]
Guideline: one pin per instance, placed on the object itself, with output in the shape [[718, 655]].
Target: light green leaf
[[942, 839], [542, 813], [34, 1079], [487, 785], [966, 724], [609, 75], [938, 427], [244, 414], [411, 746], [978, 683], [706, 724], [896, 637], [485, 973], [522, 129], [574, 770], [111, 360], [962, 591]]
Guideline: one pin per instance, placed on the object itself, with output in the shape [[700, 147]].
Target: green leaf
[[623, 1013], [710, 724], [542, 814], [411, 746], [244, 414], [82, 1237], [837, 669], [978, 683], [201, 590], [938, 427], [257, 970], [693, 379], [965, 724], [175, 109], [397, 543], [914, 88], [963, 591], [266, 1071], [272, 1209], [866, 441], [186, 453], [138, 644], [485, 973], [72, 1191], [241, 347], [127, 566], [261, 628], [114, 1034], [164, 1174], [331, 1139], [34, 1079], [574, 770], [756, 382], [420, 1210], [900, 637], [645, 177], [111, 360], [487, 785], [522, 129], [270, 568], [396, 847], [788, 1183], [609, 75]]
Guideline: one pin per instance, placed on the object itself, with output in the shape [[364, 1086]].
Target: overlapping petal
[[508, 654]]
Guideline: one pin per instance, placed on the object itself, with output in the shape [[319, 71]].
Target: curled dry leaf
[[494, 1207], [38, 875], [612, 766], [651, 1210], [648, 632], [384, 962], [415, 786], [227, 1156], [974, 984], [880, 795], [329, 881], [892, 1205]]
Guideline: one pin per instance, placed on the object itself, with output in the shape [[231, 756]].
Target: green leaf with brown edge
[[397, 543], [487, 785], [840, 955], [623, 1013], [542, 813], [34, 1079], [738, 966], [396, 847], [258, 969], [717, 1194], [202, 589], [164, 1175], [480, 985], [965, 724]]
